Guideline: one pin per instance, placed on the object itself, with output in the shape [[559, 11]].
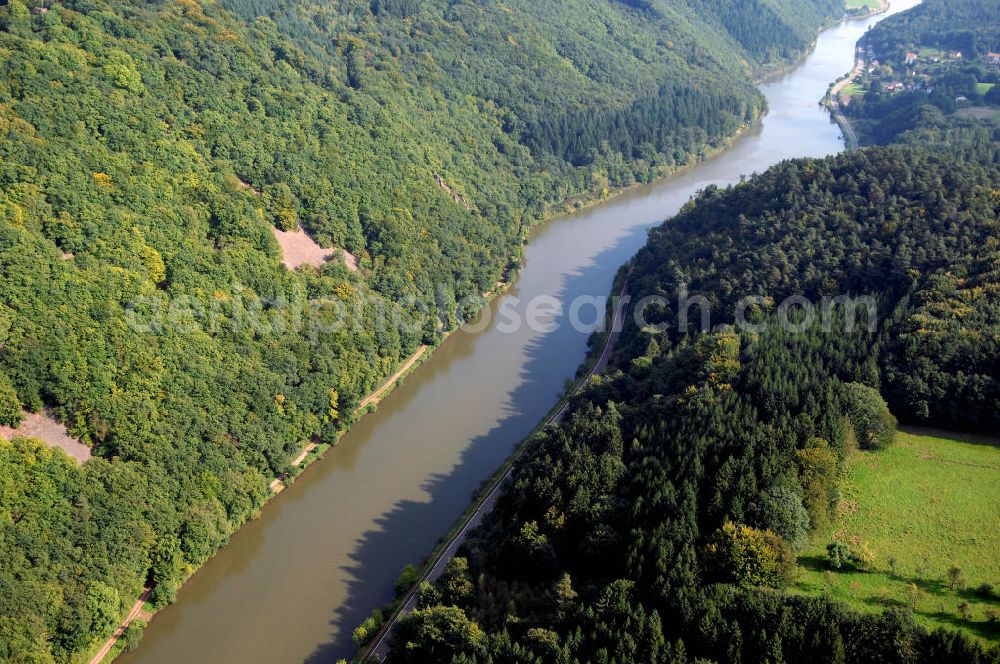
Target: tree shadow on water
[[408, 531]]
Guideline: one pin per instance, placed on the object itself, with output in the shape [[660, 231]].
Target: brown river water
[[293, 584]]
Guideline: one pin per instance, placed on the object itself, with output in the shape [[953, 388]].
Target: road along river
[[293, 584]]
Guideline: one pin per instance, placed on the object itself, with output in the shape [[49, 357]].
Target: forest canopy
[[658, 521]]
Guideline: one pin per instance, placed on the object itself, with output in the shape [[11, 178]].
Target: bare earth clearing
[[299, 249], [50, 431]]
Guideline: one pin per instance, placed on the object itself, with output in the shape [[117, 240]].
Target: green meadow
[[852, 89], [927, 505]]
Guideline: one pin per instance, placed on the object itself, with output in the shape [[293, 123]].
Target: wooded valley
[[148, 149]]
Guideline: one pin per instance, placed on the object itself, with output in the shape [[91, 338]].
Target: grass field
[[867, 4], [852, 89], [929, 503], [983, 88], [979, 112]]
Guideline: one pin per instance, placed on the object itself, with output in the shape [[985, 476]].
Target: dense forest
[[652, 82], [659, 521], [771, 29], [948, 97], [147, 150]]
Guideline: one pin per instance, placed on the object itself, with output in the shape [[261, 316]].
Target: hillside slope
[[588, 83], [946, 95], [659, 520]]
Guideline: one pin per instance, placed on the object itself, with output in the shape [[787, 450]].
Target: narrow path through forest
[[377, 395], [110, 643]]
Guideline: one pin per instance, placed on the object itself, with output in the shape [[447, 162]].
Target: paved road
[[380, 647], [850, 138]]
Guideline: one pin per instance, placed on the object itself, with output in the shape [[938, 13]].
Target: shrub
[[954, 578], [859, 557], [838, 554], [863, 558], [133, 635], [364, 632], [965, 610], [406, 579]]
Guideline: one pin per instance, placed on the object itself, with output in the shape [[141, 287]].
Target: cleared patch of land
[[979, 112], [50, 431], [299, 249], [862, 4], [924, 506], [983, 88], [852, 89]]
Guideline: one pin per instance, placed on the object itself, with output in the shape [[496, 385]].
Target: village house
[[911, 57], [993, 58]]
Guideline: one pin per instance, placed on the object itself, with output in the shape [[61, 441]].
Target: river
[[293, 584]]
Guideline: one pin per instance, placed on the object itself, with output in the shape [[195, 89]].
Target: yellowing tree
[[750, 557]]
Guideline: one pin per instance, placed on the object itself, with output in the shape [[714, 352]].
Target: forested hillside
[[772, 30], [148, 149], [579, 82], [930, 82], [659, 521]]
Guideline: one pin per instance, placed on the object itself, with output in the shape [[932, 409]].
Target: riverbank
[[832, 104], [485, 499], [861, 10], [850, 137], [309, 454], [294, 585], [584, 202], [832, 101]]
